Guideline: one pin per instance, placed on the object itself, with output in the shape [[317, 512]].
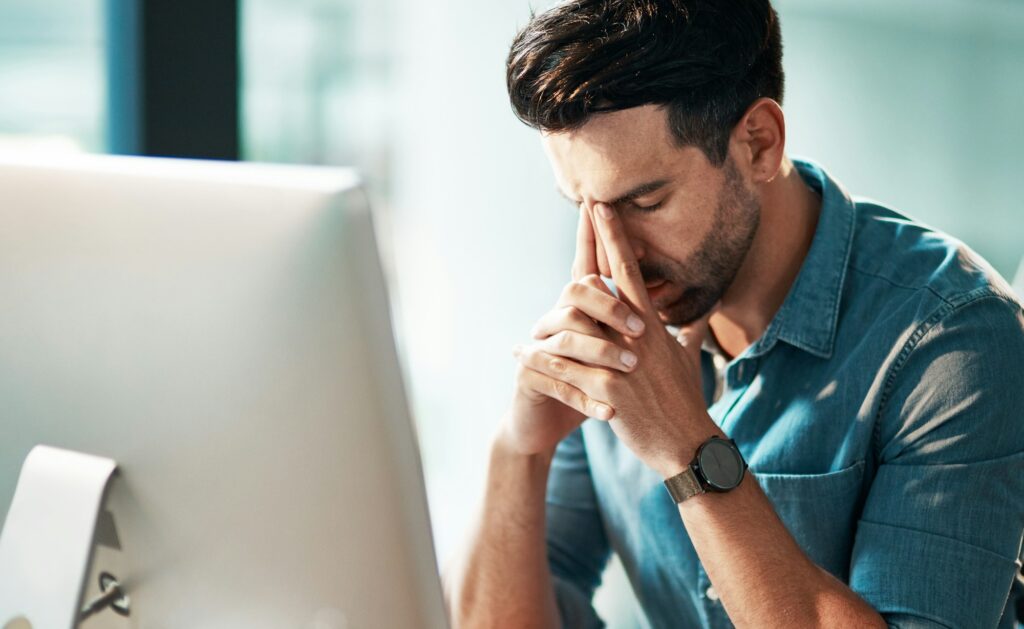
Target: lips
[[656, 289]]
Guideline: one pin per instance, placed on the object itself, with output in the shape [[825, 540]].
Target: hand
[[545, 408], [659, 408]]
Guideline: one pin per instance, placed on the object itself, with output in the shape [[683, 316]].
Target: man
[[866, 368]]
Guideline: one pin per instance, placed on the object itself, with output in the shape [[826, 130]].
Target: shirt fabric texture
[[881, 413]]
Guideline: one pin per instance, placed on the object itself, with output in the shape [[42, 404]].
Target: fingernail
[[628, 358], [602, 411], [517, 350], [635, 323], [605, 211]]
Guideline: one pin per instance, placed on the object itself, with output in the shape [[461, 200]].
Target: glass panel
[[52, 80], [916, 104], [315, 79]]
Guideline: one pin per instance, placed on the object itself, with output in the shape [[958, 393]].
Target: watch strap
[[684, 485]]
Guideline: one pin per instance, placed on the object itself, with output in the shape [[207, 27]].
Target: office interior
[[915, 103]]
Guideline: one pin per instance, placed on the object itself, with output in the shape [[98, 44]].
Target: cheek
[[682, 234], [669, 240]]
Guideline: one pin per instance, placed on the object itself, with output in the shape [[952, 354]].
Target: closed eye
[[647, 208]]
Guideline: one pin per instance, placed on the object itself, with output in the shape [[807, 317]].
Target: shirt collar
[[808, 316]]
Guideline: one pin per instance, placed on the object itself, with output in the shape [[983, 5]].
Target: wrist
[[718, 467], [678, 460], [507, 446]]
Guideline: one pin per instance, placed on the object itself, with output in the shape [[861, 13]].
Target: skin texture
[[729, 241], [693, 231]]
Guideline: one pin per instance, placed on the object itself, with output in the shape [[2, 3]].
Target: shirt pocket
[[820, 511]]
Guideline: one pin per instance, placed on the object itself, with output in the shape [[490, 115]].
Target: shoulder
[[905, 279], [911, 258]]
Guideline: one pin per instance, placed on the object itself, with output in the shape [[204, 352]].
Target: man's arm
[[565, 562], [503, 579], [763, 577], [939, 536], [505, 576]]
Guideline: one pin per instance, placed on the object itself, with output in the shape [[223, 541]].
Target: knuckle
[[563, 340], [607, 382], [621, 311], [561, 390], [574, 314], [573, 290], [528, 357], [591, 280], [628, 267], [557, 365]]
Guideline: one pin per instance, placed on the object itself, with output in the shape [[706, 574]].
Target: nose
[[639, 250]]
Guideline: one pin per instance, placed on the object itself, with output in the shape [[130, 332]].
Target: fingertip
[[603, 411], [635, 324]]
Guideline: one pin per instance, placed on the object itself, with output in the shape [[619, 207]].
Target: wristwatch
[[718, 467]]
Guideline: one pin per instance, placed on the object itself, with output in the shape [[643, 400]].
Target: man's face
[[690, 224]]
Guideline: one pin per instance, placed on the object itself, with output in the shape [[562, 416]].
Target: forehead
[[618, 150]]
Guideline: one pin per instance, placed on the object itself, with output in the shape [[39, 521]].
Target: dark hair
[[705, 61]]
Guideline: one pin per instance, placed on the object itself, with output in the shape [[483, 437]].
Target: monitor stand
[[48, 539]]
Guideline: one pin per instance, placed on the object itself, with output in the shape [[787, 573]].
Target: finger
[[565, 318], [622, 262], [585, 262], [589, 350], [602, 307], [596, 281], [599, 249], [536, 382], [590, 380]]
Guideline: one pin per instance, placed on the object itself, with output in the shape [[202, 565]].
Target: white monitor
[[222, 332]]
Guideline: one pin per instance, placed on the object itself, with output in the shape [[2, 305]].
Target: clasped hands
[[612, 358]]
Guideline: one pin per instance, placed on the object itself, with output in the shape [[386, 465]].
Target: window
[[52, 77]]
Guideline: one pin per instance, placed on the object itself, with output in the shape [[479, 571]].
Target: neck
[[789, 216]]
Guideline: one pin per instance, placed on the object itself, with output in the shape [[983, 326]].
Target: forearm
[[762, 576], [503, 579]]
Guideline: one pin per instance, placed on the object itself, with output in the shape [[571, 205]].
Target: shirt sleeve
[[939, 539], [578, 549]]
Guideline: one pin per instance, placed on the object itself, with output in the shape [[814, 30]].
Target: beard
[[709, 272]]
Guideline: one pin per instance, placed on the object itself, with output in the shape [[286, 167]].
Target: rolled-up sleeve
[[939, 539], [578, 549]]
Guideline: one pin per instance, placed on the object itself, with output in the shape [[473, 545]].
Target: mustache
[[653, 272]]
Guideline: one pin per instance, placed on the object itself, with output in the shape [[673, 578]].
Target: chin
[[689, 306]]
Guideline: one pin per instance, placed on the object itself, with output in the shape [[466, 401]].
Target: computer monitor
[[222, 332]]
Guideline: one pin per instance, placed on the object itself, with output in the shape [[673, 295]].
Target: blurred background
[[916, 103]]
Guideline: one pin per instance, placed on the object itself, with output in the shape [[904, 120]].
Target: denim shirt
[[881, 413]]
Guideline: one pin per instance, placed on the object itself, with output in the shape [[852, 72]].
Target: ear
[[760, 137]]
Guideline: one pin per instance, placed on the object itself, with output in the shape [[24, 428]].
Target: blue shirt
[[881, 412]]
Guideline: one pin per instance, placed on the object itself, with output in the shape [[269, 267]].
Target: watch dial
[[721, 465]]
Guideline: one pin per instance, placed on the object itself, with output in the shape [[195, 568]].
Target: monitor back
[[221, 331]]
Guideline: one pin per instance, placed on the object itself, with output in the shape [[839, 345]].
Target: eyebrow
[[638, 191]]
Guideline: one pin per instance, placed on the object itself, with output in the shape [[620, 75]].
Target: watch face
[[721, 464]]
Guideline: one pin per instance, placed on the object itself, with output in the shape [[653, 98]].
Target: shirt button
[[711, 593]]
